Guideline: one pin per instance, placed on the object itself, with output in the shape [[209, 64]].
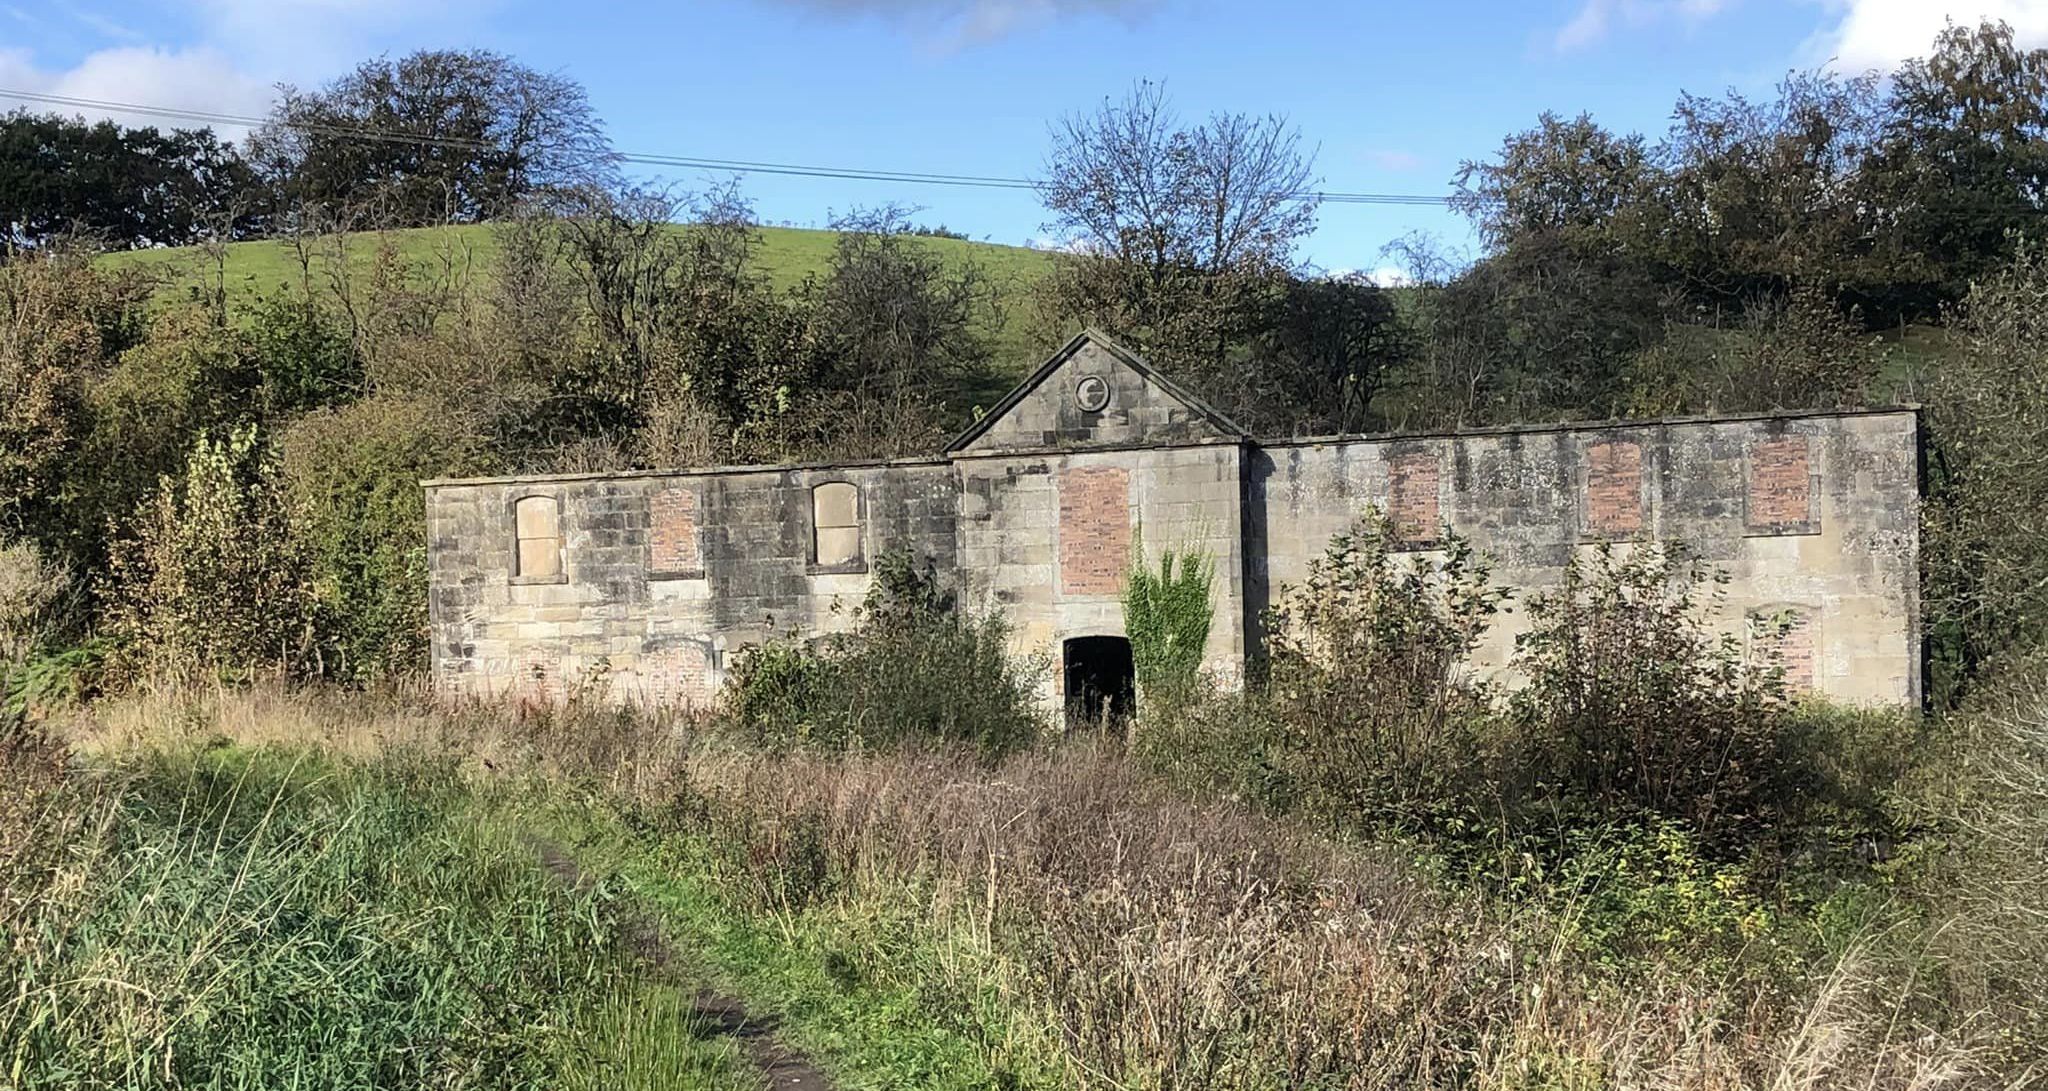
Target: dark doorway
[[1102, 689]]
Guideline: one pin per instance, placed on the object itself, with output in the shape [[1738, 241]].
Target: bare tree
[[1180, 237], [1127, 182]]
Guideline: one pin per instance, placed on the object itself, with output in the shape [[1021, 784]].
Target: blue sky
[[1395, 95]]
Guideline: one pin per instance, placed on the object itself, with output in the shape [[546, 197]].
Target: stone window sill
[[536, 581], [678, 574], [1783, 530], [856, 567]]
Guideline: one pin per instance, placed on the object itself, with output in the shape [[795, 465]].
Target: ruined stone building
[[654, 580]]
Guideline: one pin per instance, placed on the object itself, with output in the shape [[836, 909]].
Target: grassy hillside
[[788, 254]]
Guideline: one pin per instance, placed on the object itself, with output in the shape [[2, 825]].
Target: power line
[[743, 166]]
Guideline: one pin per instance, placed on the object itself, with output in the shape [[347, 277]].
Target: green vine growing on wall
[[1167, 615]]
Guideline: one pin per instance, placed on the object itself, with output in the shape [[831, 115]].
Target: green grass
[[273, 918], [263, 916], [872, 990], [788, 254]]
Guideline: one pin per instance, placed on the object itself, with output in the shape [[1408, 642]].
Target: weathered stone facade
[[652, 581]]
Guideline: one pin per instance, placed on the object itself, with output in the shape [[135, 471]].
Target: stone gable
[[1093, 394]]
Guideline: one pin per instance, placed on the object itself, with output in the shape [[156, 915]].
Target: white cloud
[[953, 24], [1390, 276], [1056, 245], [232, 55], [102, 25], [1598, 18], [185, 79], [1881, 33], [309, 40]]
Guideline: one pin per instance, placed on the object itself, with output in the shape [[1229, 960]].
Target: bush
[[213, 583], [33, 596], [351, 477], [62, 324], [915, 666], [1631, 704], [1987, 505], [1208, 741], [1367, 687]]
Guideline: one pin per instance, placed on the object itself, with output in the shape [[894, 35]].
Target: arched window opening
[[537, 524], [835, 524]]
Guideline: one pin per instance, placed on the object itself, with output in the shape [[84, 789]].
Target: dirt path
[[785, 1068]]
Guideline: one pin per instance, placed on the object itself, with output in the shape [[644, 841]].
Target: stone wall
[[1812, 517], [658, 579], [1048, 539], [663, 576]]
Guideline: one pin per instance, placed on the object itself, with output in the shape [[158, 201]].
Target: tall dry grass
[[1162, 940], [1176, 943]]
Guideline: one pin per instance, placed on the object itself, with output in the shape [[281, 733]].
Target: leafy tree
[[1568, 179], [119, 186], [691, 337], [437, 135], [1965, 154], [1328, 346], [897, 328]]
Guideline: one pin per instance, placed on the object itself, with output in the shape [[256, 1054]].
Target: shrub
[[213, 582], [1366, 672], [1166, 617], [305, 359], [1987, 504], [1206, 740], [62, 323], [33, 595], [1631, 703], [351, 478], [915, 666]]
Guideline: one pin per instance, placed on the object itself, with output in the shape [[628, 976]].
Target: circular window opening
[[1092, 394]]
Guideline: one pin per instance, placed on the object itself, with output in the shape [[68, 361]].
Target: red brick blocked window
[[1614, 488], [1784, 638], [1779, 495], [1095, 530], [677, 676], [1412, 498], [672, 541]]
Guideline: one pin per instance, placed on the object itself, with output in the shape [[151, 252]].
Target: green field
[[788, 255]]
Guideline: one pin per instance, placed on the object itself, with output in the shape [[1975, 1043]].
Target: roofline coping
[[1612, 424], [1607, 425], [686, 471]]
